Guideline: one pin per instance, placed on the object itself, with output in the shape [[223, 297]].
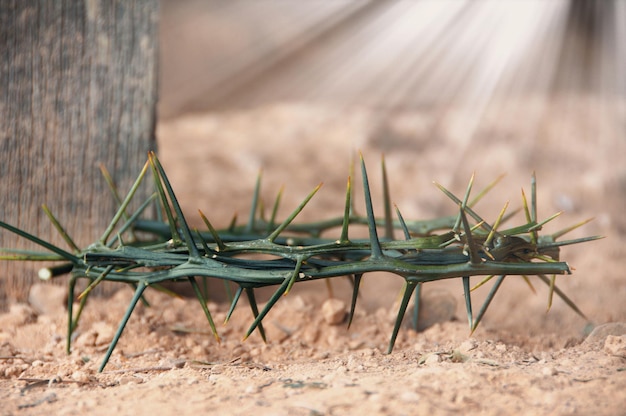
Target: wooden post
[[78, 87]]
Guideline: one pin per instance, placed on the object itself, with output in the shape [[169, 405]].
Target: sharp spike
[[468, 300], [538, 226], [216, 237], [376, 251], [346, 214], [165, 203], [488, 300], [405, 228], [233, 223], [295, 274], [482, 282], [205, 308], [570, 228], [416, 306], [492, 233], [138, 293], [551, 292], [191, 245], [406, 297], [270, 303], [464, 205], [255, 311], [233, 303], [57, 225], [255, 203], [122, 209], [488, 188], [293, 215], [471, 245], [68, 256], [70, 313], [355, 294], [564, 297], [95, 282], [131, 220], [271, 224], [467, 209], [387, 202]]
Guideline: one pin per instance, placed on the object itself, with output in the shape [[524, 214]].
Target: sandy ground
[[521, 360]]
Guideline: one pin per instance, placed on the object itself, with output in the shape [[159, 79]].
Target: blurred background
[[388, 54]]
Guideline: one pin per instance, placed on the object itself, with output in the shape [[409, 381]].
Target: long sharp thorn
[[406, 297], [405, 228], [464, 204], [138, 293], [164, 202], [68, 256], [570, 242], [272, 220], [191, 245], [346, 213], [270, 303], [416, 306], [255, 203], [564, 297], [471, 245], [538, 226], [293, 215], [233, 223], [387, 202], [482, 282], [488, 188], [295, 274], [216, 237], [122, 209], [533, 206], [205, 308], [233, 303], [95, 282], [488, 300], [496, 224], [570, 228], [530, 284], [355, 294], [255, 311], [467, 209], [70, 313], [60, 229], [468, 300], [376, 251]]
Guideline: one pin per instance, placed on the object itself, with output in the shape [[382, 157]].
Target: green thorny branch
[[443, 248]]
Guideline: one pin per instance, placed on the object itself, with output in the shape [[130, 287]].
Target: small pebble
[[467, 346], [599, 335], [615, 345], [47, 298], [334, 311]]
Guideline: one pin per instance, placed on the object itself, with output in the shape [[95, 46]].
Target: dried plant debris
[[460, 246]]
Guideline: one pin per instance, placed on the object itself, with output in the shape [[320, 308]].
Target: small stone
[[615, 345], [432, 359], [598, 336], [467, 346], [19, 314], [436, 306], [80, 376], [47, 298], [334, 311], [549, 371]]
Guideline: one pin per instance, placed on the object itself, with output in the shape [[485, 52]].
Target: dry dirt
[[521, 360]]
